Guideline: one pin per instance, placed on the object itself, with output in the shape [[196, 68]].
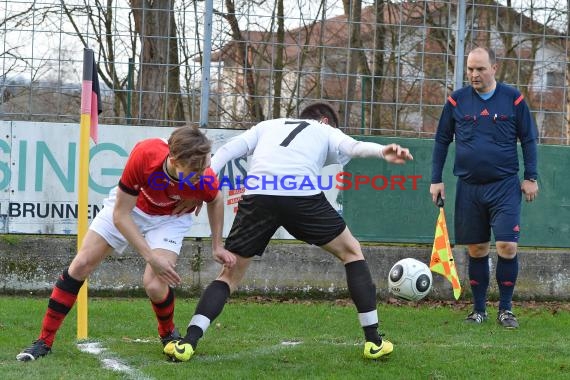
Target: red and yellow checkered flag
[[441, 256]]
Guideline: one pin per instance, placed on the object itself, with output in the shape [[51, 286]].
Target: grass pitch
[[259, 338]]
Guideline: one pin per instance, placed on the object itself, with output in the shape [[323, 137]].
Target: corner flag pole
[[90, 109]]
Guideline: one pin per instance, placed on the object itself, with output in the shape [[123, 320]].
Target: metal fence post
[[460, 44], [206, 63]]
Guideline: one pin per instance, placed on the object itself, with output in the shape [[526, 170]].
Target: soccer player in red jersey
[[150, 209]]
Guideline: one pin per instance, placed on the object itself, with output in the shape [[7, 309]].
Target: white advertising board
[[39, 175]]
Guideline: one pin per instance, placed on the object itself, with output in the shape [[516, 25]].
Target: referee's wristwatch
[[531, 179]]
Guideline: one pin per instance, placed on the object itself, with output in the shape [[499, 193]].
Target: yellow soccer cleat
[[373, 351], [182, 351], [169, 349]]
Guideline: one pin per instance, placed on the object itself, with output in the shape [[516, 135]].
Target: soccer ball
[[410, 279]]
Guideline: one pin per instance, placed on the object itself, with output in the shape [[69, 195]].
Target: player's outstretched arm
[[235, 148], [396, 154], [392, 153]]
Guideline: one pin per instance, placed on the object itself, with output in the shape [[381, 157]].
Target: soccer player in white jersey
[[151, 210], [296, 149]]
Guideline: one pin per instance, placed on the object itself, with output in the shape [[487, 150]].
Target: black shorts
[[311, 219]]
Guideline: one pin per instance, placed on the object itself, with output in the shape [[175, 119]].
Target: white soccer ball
[[410, 279]]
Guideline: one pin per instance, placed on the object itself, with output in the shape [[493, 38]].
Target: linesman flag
[[441, 256], [90, 95]]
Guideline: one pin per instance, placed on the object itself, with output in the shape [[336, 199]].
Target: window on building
[[554, 79]]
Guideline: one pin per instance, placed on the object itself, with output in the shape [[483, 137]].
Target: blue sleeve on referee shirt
[[443, 137], [527, 134]]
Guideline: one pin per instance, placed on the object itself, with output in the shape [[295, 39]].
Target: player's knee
[[346, 253], [506, 249], [232, 283], [350, 255], [81, 267], [478, 250], [232, 276], [147, 283], [154, 287]]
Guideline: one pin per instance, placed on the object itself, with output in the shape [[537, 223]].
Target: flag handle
[[439, 201]]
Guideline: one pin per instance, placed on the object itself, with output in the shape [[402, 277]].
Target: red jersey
[[158, 193]]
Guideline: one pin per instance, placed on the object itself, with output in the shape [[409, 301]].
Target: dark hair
[[189, 146], [316, 111]]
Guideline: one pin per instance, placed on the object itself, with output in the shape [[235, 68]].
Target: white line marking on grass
[[110, 361], [291, 343], [138, 340], [115, 365], [94, 348], [267, 350], [254, 354]]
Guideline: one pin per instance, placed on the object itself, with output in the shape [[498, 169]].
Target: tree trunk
[[377, 85], [158, 99], [245, 54], [278, 65], [355, 44]]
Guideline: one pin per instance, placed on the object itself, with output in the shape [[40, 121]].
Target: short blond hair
[[189, 146]]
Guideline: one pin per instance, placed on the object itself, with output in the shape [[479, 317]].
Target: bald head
[[481, 69]]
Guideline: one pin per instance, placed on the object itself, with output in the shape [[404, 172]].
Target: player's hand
[[185, 205], [224, 257], [395, 154], [529, 189], [436, 189], [164, 269]]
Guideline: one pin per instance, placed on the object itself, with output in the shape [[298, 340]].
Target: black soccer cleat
[[168, 343], [476, 317], [507, 319], [38, 349], [173, 336]]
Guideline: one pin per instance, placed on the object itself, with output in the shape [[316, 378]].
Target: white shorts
[[160, 231]]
